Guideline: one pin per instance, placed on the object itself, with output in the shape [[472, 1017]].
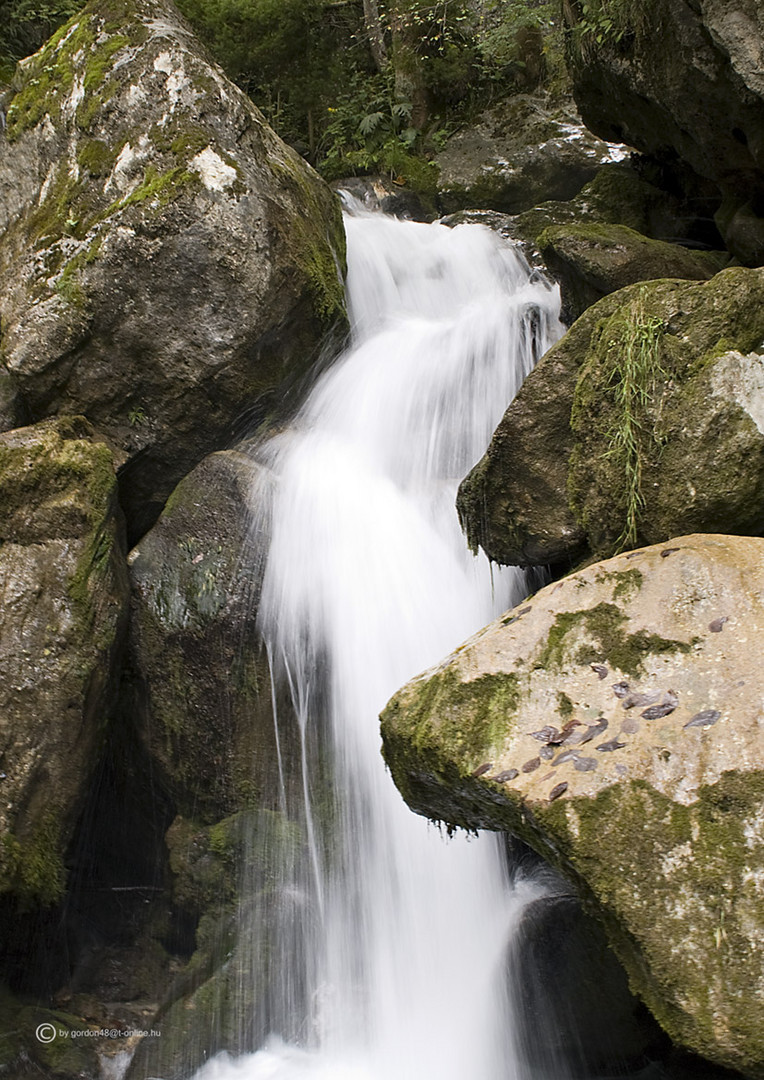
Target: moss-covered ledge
[[613, 721]]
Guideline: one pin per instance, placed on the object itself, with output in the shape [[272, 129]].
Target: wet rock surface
[[204, 697], [663, 832]]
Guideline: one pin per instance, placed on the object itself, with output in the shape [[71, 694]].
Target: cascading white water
[[369, 581]]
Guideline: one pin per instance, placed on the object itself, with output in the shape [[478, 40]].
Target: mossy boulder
[[558, 476], [204, 698], [521, 152], [613, 721], [680, 81], [62, 630], [624, 193], [56, 1053], [592, 260], [167, 262]]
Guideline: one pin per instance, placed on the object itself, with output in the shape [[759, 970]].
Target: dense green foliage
[[600, 21], [26, 24], [310, 66]]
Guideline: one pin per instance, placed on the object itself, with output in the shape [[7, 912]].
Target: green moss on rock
[[698, 453], [60, 545], [605, 624]]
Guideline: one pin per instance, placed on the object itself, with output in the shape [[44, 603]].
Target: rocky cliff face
[[681, 81], [167, 262], [613, 721]]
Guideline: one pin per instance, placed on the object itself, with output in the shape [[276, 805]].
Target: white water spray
[[368, 581]]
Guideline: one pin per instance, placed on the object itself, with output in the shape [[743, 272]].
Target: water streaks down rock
[[205, 710], [166, 259], [665, 834]]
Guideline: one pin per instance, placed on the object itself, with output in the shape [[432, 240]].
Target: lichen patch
[[215, 174]]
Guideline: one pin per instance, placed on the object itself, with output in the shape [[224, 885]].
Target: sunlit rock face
[[614, 721], [167, 261]]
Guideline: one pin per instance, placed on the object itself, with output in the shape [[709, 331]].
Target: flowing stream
[[388, 953]]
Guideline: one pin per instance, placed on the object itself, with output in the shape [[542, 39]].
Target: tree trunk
[[408, 65], [375, 35]]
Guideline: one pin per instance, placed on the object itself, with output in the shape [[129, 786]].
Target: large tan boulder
[[615, 721]]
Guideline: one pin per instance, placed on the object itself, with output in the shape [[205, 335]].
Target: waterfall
[[388, 957]]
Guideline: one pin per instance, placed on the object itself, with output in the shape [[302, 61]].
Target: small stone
[[668, 551], [608, 747], [600, 670], [635, 700], [572, 736], [592, 731], [622, 770], [546, 753], [566, 755], [620, 689], [558, 790], [585, 764], [704, 719], [630, 726], [481, 769], [655, 712], [716, 625], [531, 765], [567, 734], [546, 734], [505, 776]]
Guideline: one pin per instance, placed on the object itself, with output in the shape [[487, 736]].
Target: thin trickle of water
[[390, 960]]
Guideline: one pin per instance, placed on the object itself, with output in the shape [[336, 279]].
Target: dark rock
[[683, 82], [576, 1014], [591, 261], [62, 629], [55, 1053], [167, 262], [514, 502], [381, 193], [205, 698]]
